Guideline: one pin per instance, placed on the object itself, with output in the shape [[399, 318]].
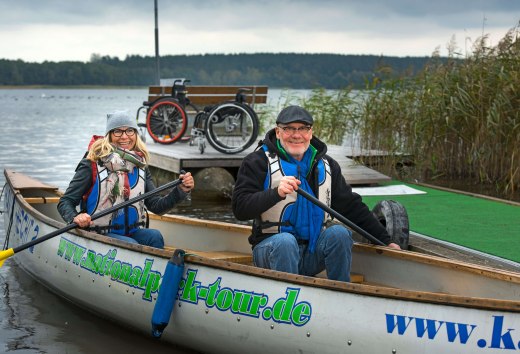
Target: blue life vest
[[276, 219], [123, 221]]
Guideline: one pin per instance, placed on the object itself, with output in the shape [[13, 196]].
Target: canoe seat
[[245, 258], [231, 256], [42, 200], [354, 277]]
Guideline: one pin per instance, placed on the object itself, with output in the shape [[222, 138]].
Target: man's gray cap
[[293, 114]]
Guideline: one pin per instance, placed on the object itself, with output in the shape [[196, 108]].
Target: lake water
[[44, 133]]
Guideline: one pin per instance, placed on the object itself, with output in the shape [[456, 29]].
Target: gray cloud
[[120, 27], [200, 12]]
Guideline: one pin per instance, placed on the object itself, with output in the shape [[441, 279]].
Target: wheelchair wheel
[[166, 121], [231, 127]]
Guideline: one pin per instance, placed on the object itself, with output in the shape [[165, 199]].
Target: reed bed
[[459, 119], [333, 111]]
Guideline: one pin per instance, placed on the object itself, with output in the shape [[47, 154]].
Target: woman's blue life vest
[[123, 221], [276, 219]]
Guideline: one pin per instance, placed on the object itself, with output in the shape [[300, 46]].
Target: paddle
[[11, 251], [340, 217]]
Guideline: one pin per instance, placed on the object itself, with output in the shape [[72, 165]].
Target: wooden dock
[[182, 156]]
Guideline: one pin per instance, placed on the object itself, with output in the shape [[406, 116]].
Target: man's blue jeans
[[333, 252], [147, 237]]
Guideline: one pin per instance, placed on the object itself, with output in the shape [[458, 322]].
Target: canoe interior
[[377, 271]]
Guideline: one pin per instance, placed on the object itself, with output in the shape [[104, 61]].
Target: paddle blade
[[4, 255]]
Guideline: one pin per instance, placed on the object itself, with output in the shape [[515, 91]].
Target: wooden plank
[[210, 100], [231, 256], [42, 200], [354, 277], [210, 90], [207, 95], [359, 174], [21, 181], [207, 225]]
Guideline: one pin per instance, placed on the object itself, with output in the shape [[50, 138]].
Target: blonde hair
[[103, 147]]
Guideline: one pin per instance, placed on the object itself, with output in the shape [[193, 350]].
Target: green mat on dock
[[488, 226]]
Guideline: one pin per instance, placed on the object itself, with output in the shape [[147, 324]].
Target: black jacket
[[250, 199]]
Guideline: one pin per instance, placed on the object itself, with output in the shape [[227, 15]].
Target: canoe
[[397, 302]]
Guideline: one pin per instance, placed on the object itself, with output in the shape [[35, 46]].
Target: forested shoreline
[[283, 70]]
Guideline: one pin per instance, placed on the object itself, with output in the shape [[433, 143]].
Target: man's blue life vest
[[276, 219]]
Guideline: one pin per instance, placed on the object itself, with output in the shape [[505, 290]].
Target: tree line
[[289, 70]]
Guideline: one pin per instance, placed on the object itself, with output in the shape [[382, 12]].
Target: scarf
[[306, 218], [119, 163]]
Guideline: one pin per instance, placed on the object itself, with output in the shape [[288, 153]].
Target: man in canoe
[[115, 170], [289, 232]]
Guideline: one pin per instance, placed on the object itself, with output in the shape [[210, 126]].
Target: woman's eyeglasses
[[119, 132], [293, 130]]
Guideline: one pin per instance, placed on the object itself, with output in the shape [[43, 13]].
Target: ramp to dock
[[482, 224]]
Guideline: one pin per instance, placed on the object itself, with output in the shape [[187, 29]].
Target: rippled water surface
[[44, 133]]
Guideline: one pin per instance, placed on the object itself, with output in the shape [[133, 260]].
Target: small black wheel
[[166, 121], [393, 216], [142, 126], [231, 127]]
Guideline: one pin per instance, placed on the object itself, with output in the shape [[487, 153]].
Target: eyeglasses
[[119, 132], [292, 130]]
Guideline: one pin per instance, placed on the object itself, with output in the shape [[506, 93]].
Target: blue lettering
[[462, 331], [497, 337], [395, 320], [430, 327]]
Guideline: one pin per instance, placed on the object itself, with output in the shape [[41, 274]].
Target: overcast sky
[[58, 30]]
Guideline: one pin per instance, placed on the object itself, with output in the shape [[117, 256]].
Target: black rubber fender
[[393, 216]]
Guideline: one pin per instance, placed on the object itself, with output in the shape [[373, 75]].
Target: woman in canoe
[[113, 171]]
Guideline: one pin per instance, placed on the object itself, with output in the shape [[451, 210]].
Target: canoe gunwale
[[442, 262], [361, 289], [202, 223]]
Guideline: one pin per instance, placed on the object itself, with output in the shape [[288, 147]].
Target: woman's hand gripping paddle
[[12, 251]]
